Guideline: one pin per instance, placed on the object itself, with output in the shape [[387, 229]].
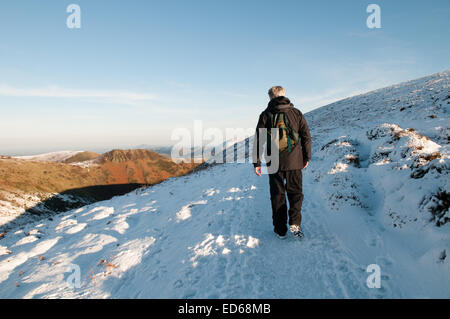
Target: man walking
[[294, 155]]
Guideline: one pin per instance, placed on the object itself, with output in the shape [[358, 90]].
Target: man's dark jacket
[[301, 153]]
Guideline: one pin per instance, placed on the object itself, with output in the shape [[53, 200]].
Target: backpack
[[288, 137]]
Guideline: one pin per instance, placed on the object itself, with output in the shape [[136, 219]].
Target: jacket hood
[[279, 104]]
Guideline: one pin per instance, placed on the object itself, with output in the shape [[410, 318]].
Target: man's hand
[[305, 165], [258, 170]]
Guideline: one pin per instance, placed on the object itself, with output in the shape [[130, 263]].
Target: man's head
[[276, 91]]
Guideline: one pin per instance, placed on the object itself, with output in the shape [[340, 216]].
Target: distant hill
[[167, 150], [81, 157], [57, 157], [163, 150]]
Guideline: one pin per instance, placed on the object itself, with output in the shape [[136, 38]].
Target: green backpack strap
[[289, 142]]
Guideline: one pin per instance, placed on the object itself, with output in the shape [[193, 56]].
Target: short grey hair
[[276, 91]]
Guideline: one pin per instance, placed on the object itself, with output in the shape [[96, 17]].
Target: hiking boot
[[281, 236], [296, 231]]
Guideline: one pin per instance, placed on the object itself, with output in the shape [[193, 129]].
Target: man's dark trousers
[[283, 182]]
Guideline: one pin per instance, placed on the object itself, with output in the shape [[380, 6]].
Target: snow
[[185, 211], [57, 157], [9, 212], [103, 212], [371, 192]]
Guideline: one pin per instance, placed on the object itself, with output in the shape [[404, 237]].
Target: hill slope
[[375, 193], [81, 157], [56, 157]]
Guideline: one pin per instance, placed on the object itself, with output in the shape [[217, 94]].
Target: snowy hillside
[[57, 157], [376, 192]]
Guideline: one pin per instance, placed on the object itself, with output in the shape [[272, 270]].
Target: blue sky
[[138, 69]]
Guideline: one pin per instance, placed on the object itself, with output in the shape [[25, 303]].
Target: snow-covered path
[[219, 245]]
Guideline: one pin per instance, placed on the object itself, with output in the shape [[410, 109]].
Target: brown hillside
[[120, 156], [115, 167], [47, 177], [140, 166], [25, 179]]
